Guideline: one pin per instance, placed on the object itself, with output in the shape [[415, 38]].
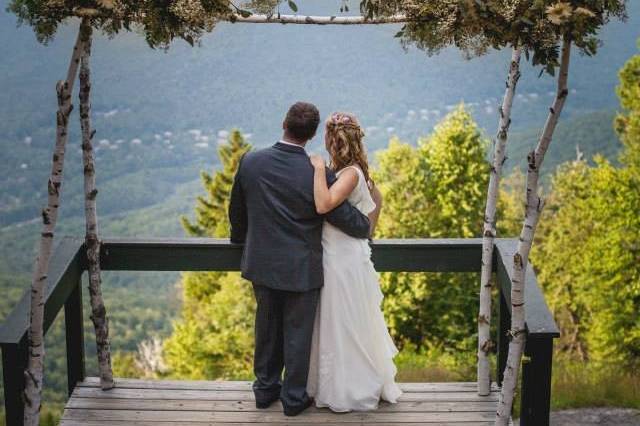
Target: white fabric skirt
[[352, 352]]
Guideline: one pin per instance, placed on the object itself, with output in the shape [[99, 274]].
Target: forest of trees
[[594, 289], [436, 189]]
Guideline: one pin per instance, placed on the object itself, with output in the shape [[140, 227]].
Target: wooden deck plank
[[317, 417], [244, 406], [246, 386], [212, 395], [171, 402]]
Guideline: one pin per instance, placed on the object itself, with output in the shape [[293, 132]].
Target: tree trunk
[[318, 20], [98, 311], [485, 344], [35, 367], [534, 205]]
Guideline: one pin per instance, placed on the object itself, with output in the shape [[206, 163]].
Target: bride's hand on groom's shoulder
[[317, 161]]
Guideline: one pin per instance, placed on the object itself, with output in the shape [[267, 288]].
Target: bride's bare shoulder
[[349, 173]]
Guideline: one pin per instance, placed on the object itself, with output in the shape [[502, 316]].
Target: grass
[[577, 384], [574, 384], [49, 415], [434, 365]]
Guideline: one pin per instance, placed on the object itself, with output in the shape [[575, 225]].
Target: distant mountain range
[[159, 115]]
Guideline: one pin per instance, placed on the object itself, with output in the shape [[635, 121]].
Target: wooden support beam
[[536, 382], [14, 362], [74, 334], [504, 321]]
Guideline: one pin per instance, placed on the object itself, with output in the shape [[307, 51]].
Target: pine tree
[[214, 336], [211, 211], [628, 121], [434, 190], [566, 222]]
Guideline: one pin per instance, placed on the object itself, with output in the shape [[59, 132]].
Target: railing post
[[536, 382], [14, 363], [504, 322], [74, 333]]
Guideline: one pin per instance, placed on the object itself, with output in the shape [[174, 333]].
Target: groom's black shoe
[[266, 403], [294, 411]]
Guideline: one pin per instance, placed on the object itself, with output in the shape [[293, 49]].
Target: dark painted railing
[[68, 263]]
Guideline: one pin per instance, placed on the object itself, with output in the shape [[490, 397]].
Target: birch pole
[[485, 344], [92, 243], [256, 18], [533, 207], [34, 373], [317, 20]]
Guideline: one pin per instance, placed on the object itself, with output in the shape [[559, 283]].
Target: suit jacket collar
[[290, 148]]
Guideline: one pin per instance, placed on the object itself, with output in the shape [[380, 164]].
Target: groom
[[272, 212]]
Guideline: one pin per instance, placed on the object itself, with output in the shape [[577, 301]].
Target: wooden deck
[[171, 403]]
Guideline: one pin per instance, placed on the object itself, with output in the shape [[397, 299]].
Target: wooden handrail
[[65, 268], [538, 318], [199, 254], [209, 254], [68, 263]]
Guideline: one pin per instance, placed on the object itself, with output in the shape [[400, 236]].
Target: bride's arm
[[326, 198], [375, 213]]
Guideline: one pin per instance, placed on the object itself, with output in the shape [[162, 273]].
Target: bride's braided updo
[[344, 143]]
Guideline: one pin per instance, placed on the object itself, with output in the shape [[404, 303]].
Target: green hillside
[[196, 95], [140, 304], [590, 134]]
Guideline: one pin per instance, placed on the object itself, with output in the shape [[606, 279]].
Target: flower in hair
[[341, 119]]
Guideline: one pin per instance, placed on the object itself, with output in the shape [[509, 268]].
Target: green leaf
[[293, 6], [551, 70], [245, 13]]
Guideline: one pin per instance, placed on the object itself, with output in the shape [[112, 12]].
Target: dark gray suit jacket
[[272, 212]]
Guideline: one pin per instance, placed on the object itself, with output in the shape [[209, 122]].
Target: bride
[[352, 352]]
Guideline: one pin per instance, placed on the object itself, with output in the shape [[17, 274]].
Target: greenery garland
[[475, 26]]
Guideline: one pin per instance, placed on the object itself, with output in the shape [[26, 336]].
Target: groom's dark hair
[[302, 121]]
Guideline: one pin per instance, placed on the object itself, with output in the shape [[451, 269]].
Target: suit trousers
[[283, 332]]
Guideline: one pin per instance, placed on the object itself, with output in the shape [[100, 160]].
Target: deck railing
[[68, 263]]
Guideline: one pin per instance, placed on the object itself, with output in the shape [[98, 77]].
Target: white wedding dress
[[351, 365]]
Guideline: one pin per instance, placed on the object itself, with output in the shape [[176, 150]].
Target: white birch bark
[[534, 205], [485, 344], [318, 20], [35, 367], [282, 19], [98, 311]]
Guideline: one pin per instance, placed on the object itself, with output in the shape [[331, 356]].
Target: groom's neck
[[288, 138]]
